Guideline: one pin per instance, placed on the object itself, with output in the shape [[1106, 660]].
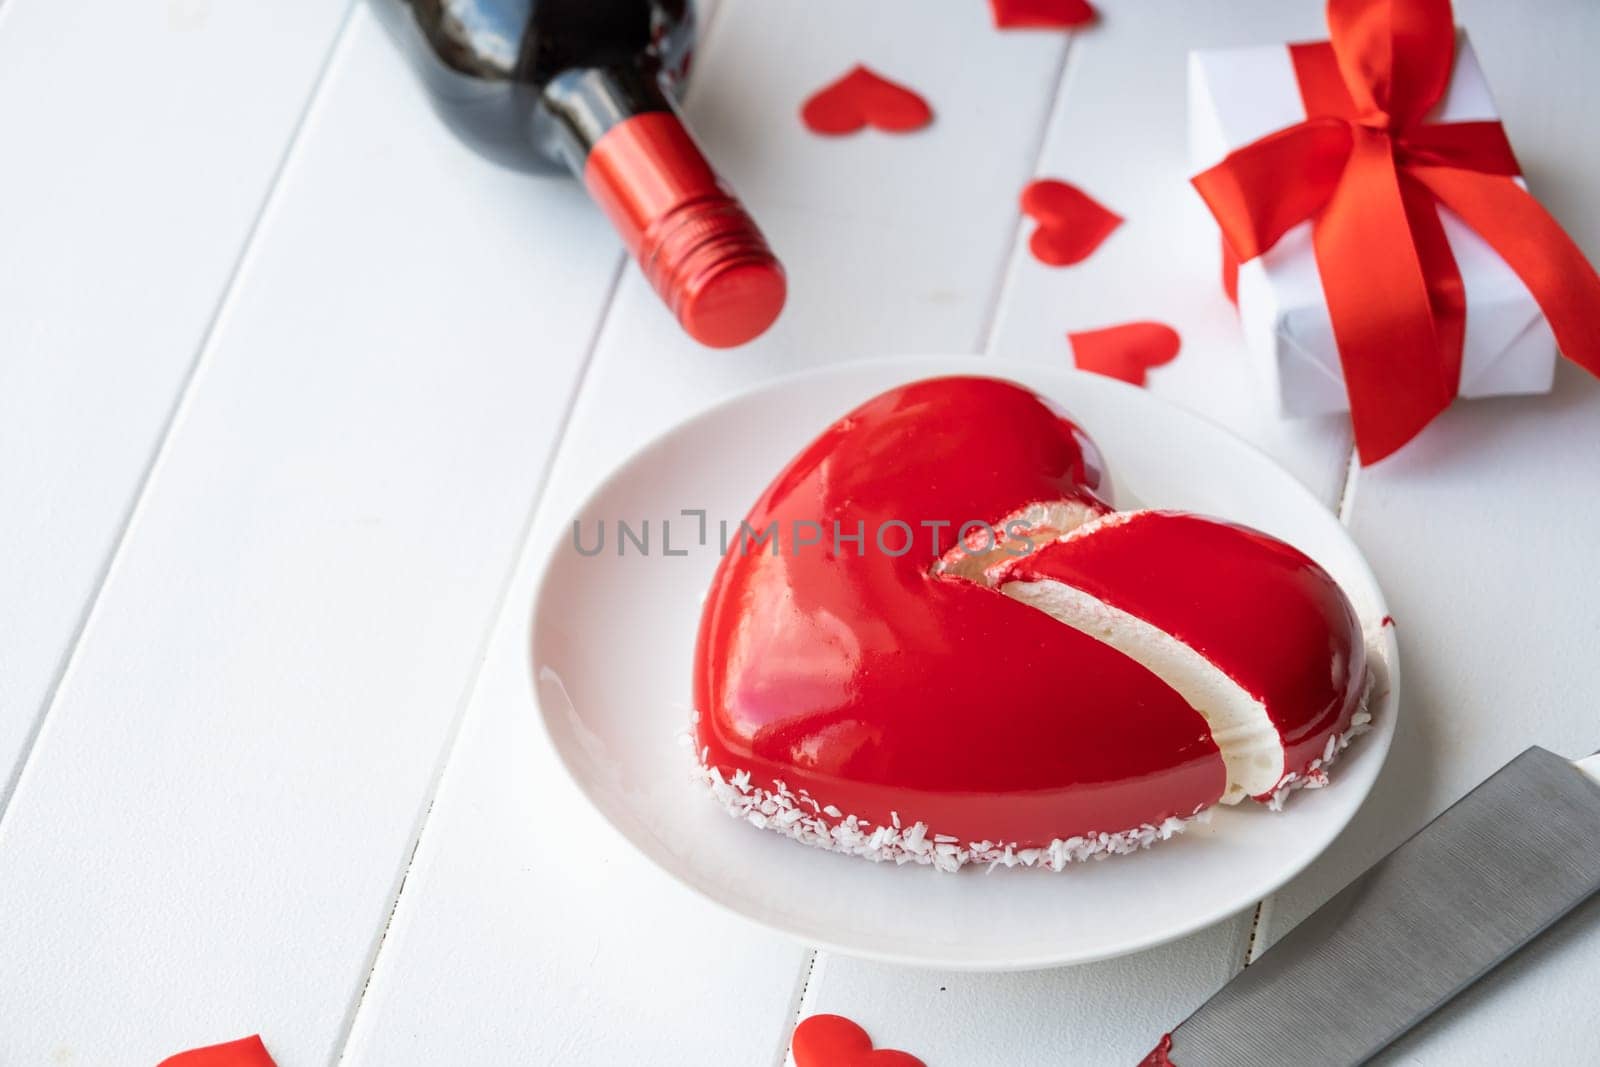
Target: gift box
[[1238, 95], [1377, 238]]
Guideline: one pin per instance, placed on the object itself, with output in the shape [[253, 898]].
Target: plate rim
[[914, 367]]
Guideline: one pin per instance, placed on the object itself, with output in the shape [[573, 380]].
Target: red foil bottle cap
[[692, 239]]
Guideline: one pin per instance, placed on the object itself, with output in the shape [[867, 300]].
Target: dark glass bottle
[[588, 86]]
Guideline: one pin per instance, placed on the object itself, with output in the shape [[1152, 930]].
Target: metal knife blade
[[1504, 862]]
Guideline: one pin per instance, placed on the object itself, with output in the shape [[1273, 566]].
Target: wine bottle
[[589, 86]]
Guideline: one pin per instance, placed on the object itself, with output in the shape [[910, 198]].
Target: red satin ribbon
[[1369, 174]]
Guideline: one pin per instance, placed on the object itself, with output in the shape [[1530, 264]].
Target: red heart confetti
[[1041, 14], [1388, 620], [1125, 351], [862, 98], [245, 1052], [1158, 1055], [1072, 224], [834, 1041]]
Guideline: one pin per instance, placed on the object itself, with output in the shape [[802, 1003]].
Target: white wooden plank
[[530, 932], [1481, 532], [1481, 535], [137, 143], [1099, 1013], [892, 245], [1120, 134], [213, 826]]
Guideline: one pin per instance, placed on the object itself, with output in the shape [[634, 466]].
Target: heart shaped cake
[[934, 641]]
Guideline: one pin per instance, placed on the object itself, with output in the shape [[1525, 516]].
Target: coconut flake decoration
[[1316, 774], [801, 818]]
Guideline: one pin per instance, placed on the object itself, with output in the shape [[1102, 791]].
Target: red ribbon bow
[[1369, 172]]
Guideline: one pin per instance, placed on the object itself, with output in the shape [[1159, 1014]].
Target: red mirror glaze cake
[[934, 642]]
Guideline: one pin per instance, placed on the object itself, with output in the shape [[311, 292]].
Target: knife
[[1467, 890]]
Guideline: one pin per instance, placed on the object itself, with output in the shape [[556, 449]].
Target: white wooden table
[[295, 391]]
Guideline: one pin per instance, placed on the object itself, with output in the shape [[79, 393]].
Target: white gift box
[[1238, 95]]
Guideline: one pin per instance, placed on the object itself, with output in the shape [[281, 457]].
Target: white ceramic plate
[[613, 638]]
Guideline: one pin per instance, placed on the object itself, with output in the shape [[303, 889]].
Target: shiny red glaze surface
[[694, 242], [882, 688], [1262, 612]]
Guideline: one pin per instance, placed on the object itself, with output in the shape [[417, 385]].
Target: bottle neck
[[704, 256], [584, 104]]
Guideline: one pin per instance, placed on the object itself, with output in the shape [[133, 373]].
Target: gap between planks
[[448, 750], [185, 392], [1344, 506], [991, 319], [807, 972]]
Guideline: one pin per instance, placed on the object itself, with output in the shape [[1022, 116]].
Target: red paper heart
[[246, 1052], [1125, 351], [893, 697], [1159, 1055], [1041, 14], [863, 98], [834, 1041], [1072, 224]]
